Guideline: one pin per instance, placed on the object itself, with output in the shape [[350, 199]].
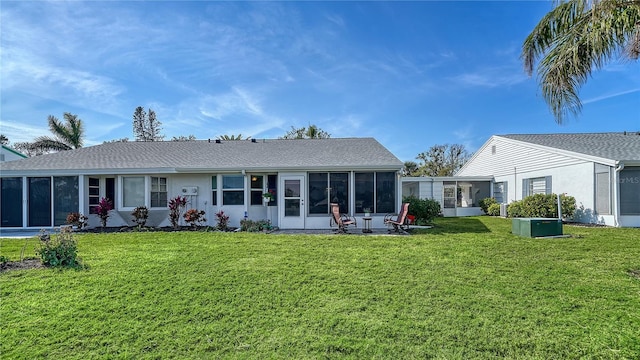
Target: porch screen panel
[[11, 202], [364, 186], [65, 198], [630, 191], [339, 184], [318, 193], [385, 192], [39, 189]]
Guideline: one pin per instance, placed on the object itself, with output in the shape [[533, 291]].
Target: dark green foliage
[[425, 210], [540, 205], [255, 225], [494, 209], [3, 259], [486, 203], [60, 250]]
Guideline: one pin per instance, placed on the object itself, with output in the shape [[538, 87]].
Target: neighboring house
[[458, 196], [601, 170], [9, 154], [230, 176]]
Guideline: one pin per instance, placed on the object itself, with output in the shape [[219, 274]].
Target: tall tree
[[233, 137], [311, 132], [575, 38], [146, 127], [442, 160], [66, 136]]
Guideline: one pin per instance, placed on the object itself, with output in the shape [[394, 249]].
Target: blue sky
[[410, 74]]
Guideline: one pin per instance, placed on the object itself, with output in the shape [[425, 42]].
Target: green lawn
[[465, 289]]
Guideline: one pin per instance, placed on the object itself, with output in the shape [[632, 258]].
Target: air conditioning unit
[[503, 210], [189, 190]]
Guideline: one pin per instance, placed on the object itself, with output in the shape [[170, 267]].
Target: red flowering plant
[[176, 206], [102, 210], [194, 217]]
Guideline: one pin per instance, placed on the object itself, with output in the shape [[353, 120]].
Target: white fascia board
[[577, 155], [289, 169]]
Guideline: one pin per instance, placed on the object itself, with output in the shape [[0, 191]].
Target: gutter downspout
[[616, 195]]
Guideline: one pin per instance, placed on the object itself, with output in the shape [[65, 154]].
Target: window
[[449, 194], [385, 192], [375, 191], [214, 190], [326, 188], [500, 192], [257, 189], [603, 190], [629, 179], [65, 198], [39, 189], [133, 191], [94, 194], [272, 186], [11, 199], [539, 185], [158, 192], [233, 190]]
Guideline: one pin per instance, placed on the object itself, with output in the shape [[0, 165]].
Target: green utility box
[[536, 227]]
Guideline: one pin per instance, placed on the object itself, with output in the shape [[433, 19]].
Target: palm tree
[[233, 137], [575, 38], [66, 136], [312, 132]]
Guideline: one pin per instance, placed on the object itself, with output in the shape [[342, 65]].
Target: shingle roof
[[613, 146], [228, 155]]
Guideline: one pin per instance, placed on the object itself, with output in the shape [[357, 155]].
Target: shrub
[[486, 203], [255, 225], [59, 251], [541, 205], [493, 210], [176, 206], [194, 217], [425, 210], [223, 221], [77, 219], [102, 210], [140, 216]]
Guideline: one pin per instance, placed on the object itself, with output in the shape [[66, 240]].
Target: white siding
[[510, 158]]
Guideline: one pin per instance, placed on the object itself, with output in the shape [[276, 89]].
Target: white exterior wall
[[513, 162], [7, 154]]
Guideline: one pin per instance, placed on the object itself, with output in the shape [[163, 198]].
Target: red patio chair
[[399, 221], [342, 221]]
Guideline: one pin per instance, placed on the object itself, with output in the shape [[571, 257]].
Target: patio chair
[[342, 221], [399, 221]]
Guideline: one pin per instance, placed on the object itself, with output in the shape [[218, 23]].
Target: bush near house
[[61, 250], [425, 210], [493, 210], [541, 205], [486, 203]]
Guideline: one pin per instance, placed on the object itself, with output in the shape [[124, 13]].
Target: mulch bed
[[21, 265]]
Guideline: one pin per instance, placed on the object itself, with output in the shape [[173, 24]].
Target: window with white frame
[[500, 192], [158, 192], [133, 191], [94, 194], [232, 190], [214, 190], [538, 185], [603, 190], [257, 189]]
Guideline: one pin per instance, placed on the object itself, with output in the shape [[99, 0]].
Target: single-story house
[[601, 170], [9, 154], [231, 176], [457, 195]]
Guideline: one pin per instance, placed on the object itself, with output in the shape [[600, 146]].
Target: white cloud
[[609, 96]]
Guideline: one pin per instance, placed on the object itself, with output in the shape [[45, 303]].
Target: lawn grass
[[464, 289]]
